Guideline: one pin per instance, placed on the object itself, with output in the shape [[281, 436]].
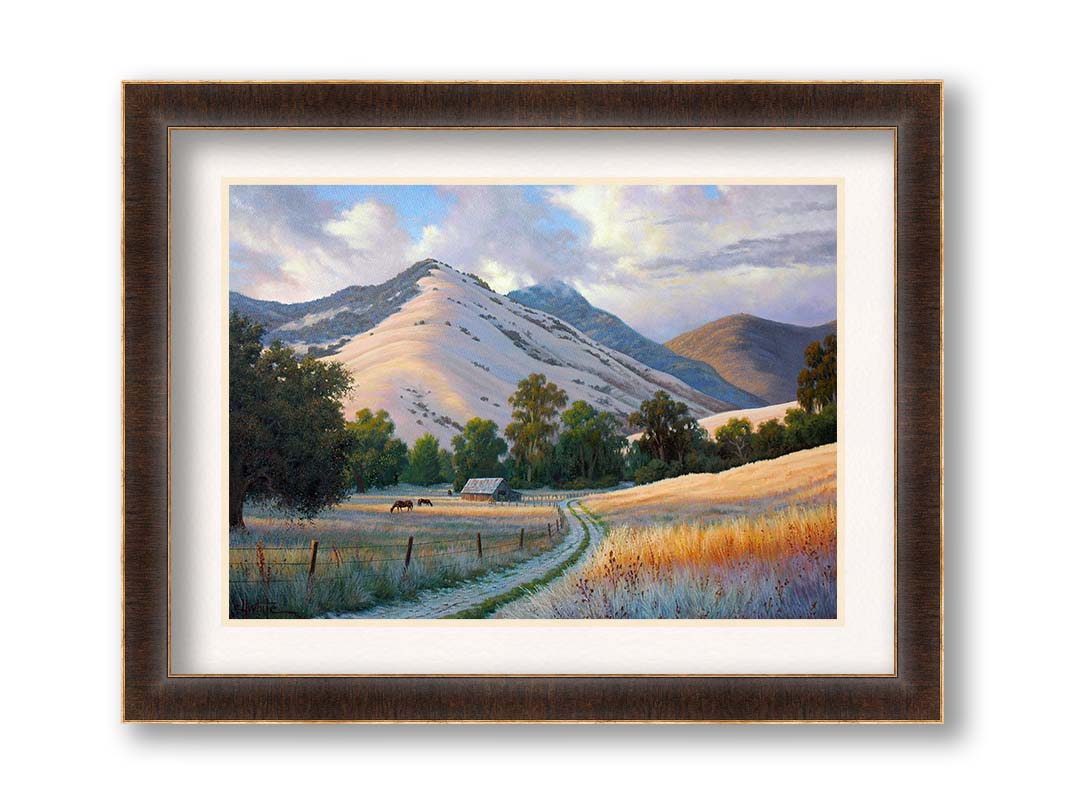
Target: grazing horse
[[424, 502], [400, 505]]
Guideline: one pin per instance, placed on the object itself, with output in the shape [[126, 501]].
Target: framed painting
[[532, 402]]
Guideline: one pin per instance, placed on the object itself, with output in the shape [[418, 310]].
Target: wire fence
[[258, 557]]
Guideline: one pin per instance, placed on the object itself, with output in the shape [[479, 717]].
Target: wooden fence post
[[479, 545], [550, 530], [407, 555], [522, 531], [311, 564]]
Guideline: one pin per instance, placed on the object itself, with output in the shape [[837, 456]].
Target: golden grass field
[[755, 542], [807, 476]]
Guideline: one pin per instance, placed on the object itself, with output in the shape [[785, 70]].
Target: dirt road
[[438, 603]]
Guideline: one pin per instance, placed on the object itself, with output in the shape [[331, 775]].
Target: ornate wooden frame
[[913, 109]]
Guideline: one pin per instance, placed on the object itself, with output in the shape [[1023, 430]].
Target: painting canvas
[[587, 400]]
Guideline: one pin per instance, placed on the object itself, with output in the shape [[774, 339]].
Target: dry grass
[[778, 565], [804, 477], [755, 542]]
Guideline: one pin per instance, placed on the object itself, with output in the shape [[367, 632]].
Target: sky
[[664, 258]]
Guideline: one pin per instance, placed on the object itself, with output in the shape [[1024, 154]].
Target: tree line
[[290, 444], [673, 443]]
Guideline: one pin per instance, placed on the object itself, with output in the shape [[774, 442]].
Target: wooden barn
[[487, 490]]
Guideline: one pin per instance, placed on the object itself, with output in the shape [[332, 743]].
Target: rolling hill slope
[[758, 355], [565, 302], [444, 348]]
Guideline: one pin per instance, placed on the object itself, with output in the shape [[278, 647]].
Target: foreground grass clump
[[779, 565], [273, 583]]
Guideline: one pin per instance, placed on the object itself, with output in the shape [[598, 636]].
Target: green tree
[[654, 470], [448, 472], [805, 429], [535, 410], [477, 452], [378, 457], [735, 439], [817, 381], [288, 443], [424, 466], [703, 454], [668, 429], [589, 446], [633, 459], [770, 440]]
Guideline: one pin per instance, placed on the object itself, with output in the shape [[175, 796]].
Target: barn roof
[[481, 486]]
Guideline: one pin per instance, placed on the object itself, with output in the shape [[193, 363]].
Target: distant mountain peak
[[556, 286], [431, 263], [552, 294], [760, 355]]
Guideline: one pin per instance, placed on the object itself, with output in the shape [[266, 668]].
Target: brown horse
[[400, 505], [424, 502]]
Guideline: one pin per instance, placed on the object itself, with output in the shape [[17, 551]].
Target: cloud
[[646, 228], [765, 250], [813, 248], [286, 244], [509, 235]]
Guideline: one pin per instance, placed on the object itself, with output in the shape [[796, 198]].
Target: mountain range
[[566, 303], [435, 347], [757, 355]]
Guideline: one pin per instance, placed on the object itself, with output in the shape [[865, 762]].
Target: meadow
[[755, 542], [362, 555]]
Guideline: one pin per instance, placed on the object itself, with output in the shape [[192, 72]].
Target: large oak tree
[[288, 442]]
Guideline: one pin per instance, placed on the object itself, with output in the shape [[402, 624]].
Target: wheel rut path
[[438, 603]]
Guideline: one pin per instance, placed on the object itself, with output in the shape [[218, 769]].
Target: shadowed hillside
[[566, 303], [758, 355]]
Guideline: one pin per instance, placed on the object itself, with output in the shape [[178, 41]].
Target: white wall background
[[60, 393]]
